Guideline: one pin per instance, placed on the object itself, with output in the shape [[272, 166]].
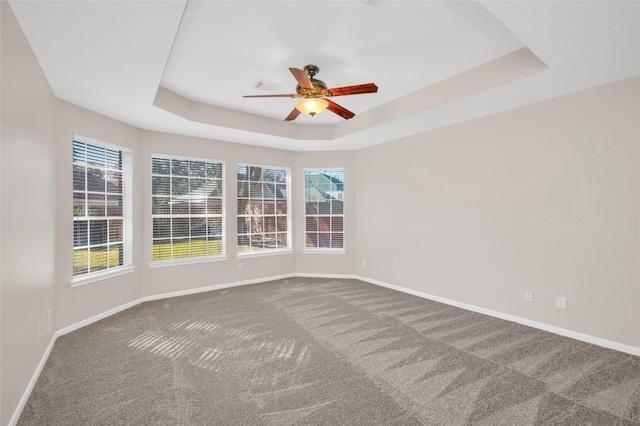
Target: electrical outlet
[[240, 265], [364, 262], [561, 302], [528, 296]]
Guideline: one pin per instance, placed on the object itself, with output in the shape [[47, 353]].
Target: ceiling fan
[[315, 93]]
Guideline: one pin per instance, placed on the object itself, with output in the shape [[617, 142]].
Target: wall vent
[[264, 85]]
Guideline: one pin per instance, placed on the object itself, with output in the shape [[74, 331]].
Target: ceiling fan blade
[[341, 111], [269, 96], [292, 115], [354, 90], [303, 79]]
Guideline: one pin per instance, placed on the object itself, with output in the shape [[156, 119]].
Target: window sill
[[190, 261], [99, 276], [261, 253], [323, 251]]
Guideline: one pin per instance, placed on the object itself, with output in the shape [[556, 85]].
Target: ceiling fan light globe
[[312, 106]]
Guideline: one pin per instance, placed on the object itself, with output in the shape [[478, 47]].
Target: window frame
[[223, 234], [126, 172], [264, 251], [323, 250]]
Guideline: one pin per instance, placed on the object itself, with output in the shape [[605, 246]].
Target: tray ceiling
[[182, 67]]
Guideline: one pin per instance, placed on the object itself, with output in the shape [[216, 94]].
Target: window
[[187, 208], [101, 208], [324, 210], [263, 209]]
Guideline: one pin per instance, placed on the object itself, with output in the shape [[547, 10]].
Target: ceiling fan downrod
[[311, 70]]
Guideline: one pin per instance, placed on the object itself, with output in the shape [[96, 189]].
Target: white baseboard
[[334, 276], [25, 396], [546, 327], [214, 287], [98, 317], [535, 324], [161, 296]]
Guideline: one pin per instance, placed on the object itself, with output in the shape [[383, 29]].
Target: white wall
[[75, 304], [541, 198], [28, 224]]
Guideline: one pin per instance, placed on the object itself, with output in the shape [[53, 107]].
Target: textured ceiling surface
[[183, 66]]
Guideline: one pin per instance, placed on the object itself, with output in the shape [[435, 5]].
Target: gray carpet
[[326, 352]]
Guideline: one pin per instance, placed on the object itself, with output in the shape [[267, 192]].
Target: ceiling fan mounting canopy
[[314, 91], [311, 70]]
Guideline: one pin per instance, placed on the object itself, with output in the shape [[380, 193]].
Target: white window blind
[[263, 208], [102, 183], [324, 208], [187, 208]]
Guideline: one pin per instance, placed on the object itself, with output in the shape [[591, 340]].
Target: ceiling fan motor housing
[[319, 89], [319, 86]]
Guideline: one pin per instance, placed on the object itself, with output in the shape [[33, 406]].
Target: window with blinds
[[264, 221], [102, 222], [187, 208], [324, 208]]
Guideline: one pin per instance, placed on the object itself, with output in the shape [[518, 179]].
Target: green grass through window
[[186, 249]]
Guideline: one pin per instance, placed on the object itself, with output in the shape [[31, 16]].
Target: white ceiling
[[182, 67]]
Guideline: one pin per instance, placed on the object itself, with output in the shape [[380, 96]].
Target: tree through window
[[324, 208], [263, 208], [186, 208]]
